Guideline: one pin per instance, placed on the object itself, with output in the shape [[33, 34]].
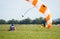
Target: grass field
[[29, 32]]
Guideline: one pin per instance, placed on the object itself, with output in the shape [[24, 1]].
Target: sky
[[14, 9]]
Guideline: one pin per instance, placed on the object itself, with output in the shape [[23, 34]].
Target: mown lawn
[[29, 31]]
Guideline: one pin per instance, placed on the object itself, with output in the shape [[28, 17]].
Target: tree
[[37, 20], [13, 21], [26, 21], [2, 21]]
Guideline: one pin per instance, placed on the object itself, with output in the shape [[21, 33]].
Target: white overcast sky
[[14, 9]]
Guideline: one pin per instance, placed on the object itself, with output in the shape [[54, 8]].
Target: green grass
[[29, 32]]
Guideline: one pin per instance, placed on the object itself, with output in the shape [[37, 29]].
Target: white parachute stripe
[[48, 22], [46, 12], [38, 5]]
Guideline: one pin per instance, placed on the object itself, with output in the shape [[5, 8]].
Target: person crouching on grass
[[12, 27]]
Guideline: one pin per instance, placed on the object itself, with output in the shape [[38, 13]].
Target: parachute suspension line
[[27, 11]]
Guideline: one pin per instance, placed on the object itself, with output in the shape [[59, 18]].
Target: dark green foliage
[[40, 20], [2, 21]]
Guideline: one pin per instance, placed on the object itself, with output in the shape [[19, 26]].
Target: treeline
[[56, 21], [40, 20], [25, 21]]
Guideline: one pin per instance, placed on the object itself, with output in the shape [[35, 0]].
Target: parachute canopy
[[42, 9]]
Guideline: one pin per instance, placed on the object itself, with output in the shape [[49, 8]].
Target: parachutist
[[12, 27], [44, 24]]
